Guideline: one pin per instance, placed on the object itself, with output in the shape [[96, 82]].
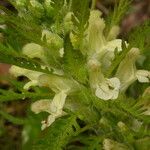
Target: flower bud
[[33, 50]]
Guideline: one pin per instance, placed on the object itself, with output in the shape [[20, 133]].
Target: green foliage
[[9, 56], [134, 108], [115, 17], [140, 36], [74, 62], [117, 60], [87, 120], [81, 12], [58, 135]]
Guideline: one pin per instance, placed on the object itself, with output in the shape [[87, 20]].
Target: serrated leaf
[[57, 135], [119, 11], [74, 62], [81, 11]]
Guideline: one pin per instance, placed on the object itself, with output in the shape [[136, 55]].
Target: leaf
[[81, 11], [142, 144], [8, 95], [57, 135], [133, 108], [140, 36], [9, 56], [118, 59], [91, 142], [119, 11], [74, 62], [16, 92]]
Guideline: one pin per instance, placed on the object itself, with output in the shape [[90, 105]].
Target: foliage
[[63, 65]]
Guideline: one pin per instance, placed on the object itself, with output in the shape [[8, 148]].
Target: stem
[[93, 4], [83, 129], [12, 119], [70, 5]]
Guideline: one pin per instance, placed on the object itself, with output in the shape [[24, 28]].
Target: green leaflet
[[117, 60], [90, 143], [57, 135], [81, 12], [74, 62], [119, 11], [9, 56], [17, 93], [140, 36], [6, 96]]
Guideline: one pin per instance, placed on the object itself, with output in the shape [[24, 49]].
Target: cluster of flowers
[[100, 52]]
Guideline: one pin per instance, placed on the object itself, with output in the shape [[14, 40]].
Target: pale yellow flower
[[54, 107]]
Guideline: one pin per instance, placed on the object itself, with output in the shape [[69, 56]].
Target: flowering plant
[[81, 79]]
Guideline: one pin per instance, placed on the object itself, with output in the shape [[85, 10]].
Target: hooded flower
[[58, 83], [98, 45], [104, 88], [62, 87], [31, 75], [127, 72], [53, 107]]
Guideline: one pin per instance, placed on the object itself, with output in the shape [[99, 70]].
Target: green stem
[[83, 129], [93, 4], [16, 96], [12, 119]]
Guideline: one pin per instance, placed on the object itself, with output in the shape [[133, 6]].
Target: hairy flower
[[31, 75], [127, 72], [62, 87], [54, 107], [58, 83], [99, 46], [104, 88]]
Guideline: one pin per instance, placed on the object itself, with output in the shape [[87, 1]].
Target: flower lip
[[143, 76], [54, 108], [108, 89]]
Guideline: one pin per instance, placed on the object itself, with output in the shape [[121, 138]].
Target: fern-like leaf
[[74, 62], [58, 134]]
